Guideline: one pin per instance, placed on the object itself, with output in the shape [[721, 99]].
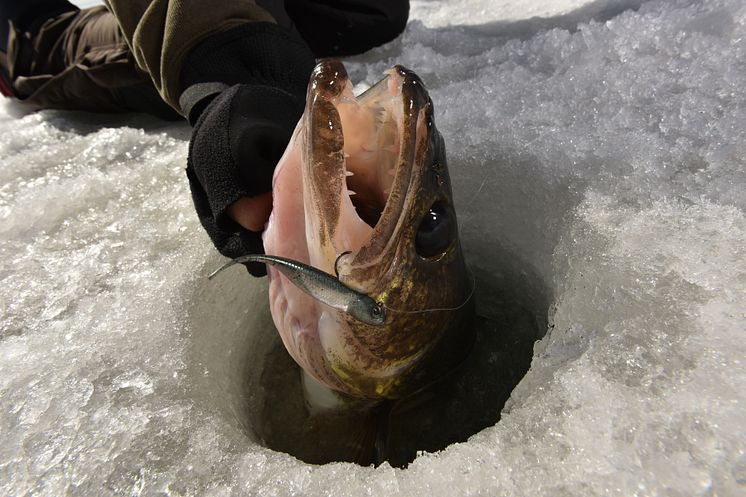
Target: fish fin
[[371, 446]]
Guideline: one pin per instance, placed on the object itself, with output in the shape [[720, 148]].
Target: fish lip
[[328, 79], [327, 88]]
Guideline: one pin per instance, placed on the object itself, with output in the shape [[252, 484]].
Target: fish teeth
[[378, 111], [351, 193], [349, 173]]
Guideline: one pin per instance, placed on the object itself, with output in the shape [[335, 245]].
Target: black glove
[[241, 130]]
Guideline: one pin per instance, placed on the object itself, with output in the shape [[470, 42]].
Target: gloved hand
[[244, 93], [234, 148]]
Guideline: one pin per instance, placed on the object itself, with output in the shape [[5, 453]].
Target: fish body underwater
[[363, 192]]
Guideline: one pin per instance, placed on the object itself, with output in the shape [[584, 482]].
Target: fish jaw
[[387, 141]]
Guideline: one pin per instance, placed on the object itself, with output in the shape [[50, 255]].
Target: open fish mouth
[[363, 192], [358, 162]]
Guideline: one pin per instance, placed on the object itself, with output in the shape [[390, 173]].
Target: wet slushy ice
[[597, 157]]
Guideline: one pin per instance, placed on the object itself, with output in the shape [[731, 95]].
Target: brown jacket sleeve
[[162, 32]]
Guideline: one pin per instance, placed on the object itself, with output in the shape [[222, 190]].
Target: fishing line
[[331, 291], [438, 309]]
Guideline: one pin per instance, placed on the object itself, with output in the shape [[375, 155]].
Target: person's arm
[[162, 33], [240, 79]]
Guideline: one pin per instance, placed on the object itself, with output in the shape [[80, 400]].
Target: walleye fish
[[362, 192]]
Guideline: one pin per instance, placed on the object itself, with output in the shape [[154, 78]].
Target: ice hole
[[511, 219], [241, 371]]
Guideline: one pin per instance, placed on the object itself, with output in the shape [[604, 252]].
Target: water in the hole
[[241, 368], [450, 410]]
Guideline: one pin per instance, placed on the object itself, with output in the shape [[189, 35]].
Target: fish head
[[363, 192]]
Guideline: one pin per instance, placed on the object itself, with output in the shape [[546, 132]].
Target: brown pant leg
[[80, 60]]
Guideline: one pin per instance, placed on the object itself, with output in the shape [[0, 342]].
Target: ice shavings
[[597, 159]]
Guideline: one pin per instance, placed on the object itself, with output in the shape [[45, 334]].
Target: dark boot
[[347, 27]]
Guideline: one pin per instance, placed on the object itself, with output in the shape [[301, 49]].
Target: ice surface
[[87, 3], [597, 156]]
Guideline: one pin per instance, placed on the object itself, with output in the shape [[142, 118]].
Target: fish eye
[[436, 232], [378, 313]]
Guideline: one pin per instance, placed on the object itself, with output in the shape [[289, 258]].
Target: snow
[[87, 3], [597, 156]]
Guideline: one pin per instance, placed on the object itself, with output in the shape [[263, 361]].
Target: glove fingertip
[[256, 269]]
